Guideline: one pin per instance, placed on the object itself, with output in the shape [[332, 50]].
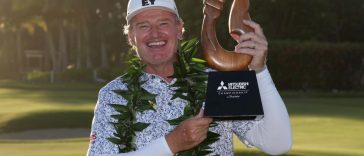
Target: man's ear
[[131, 38], [180, 30]]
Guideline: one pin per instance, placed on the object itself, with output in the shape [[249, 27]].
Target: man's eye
[[164, 23], [143, 27]]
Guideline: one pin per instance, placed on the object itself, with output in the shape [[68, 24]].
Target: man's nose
[[155, 32]]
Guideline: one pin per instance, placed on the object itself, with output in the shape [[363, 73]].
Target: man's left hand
[[254, 44]]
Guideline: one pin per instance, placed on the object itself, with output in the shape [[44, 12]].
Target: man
[[154, 30]]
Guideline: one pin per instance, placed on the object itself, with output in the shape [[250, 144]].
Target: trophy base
[[226, 118], [233, 96]]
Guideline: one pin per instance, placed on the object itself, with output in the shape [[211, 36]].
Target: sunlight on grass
[[66, 147], [338, 135], [320, 136], [330, 126], [27, 106], [48, 120]]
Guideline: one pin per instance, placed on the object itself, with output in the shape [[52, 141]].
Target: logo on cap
[[145, 2]]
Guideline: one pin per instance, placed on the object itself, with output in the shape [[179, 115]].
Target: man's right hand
[[189, 133]]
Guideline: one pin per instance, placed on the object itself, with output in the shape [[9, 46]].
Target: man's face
[[155, 34]]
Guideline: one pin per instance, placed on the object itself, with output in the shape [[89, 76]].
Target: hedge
[[293, 65], [74, 75], [316, 66]]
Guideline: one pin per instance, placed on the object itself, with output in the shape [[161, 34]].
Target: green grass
[[324, 124], [39, 106], [65, 147]]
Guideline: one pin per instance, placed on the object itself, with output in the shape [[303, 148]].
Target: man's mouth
[[156, 44]]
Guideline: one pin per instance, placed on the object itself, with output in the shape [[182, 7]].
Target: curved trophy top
[[216, 56]]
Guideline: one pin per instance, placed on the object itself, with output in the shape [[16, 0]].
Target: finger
[[214, 3], [196, 132], [202, 122], [254, 37], [203, 137], [200, 114], [247, 51], [246, 44], [201, 131], [198, 123], [251, 45], [257, 28]]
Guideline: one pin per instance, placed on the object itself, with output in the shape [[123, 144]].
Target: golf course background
[[56, 54], [323, 123]]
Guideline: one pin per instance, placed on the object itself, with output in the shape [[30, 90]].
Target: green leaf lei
[[139, 100], [191, 86]]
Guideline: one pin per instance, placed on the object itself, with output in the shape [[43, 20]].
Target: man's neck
[[164, 71]]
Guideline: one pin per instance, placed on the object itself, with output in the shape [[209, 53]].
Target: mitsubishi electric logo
[[233, 89], [233, 86], [222, 86], [148, 2]]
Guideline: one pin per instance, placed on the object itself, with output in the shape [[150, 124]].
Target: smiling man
[[155, 34], [154, 29]]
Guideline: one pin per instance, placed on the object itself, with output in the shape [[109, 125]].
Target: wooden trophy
[[232, 91]]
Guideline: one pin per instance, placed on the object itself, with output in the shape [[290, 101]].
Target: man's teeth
[[157, 43]]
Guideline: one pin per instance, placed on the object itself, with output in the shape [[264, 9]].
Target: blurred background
[[56, 55]]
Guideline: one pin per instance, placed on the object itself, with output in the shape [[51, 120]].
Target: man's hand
[[254, 44], [189, 133]]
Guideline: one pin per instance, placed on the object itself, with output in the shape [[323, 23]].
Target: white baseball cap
[[137, 6]]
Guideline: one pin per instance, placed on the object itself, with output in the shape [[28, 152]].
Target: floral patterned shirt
[[264, 134]]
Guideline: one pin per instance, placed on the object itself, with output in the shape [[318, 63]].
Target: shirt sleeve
[[273, 133], [102, 129], [158, 147]]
